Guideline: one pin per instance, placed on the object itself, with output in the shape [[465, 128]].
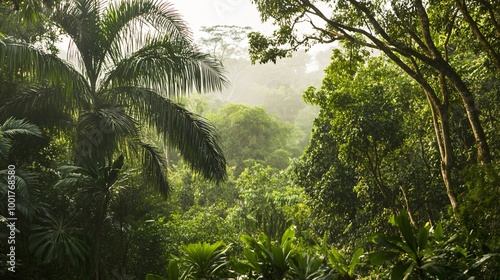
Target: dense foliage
[[387, 169]]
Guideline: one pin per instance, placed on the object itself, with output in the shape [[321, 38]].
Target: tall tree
[[133, 58], [417, 36], [366, 158]]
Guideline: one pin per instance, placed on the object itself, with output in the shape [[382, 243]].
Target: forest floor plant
[[411, 253]]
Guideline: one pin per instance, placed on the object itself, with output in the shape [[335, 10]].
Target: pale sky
[[198, 13]]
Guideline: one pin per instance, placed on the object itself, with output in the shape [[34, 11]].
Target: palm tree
[[132, 59]]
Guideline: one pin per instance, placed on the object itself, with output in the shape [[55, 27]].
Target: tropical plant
[[91, 187], [267, 260], [306, 267], [198, 261], [57, 240], [422, 254], [204, 261], [341, 268], [9, 129], [417, 259]]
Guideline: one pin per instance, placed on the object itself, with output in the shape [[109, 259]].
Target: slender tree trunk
[[407, 206], [483, 150], [447, 155], [440, 120], [441, 129], [100, 217]]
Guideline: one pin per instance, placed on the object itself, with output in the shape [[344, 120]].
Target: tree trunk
[[483, 150], [442, 131], [447, 71], [100, 217]]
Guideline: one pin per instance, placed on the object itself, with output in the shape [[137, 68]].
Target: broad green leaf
[[400, 270], [438, 232], [377, 258], [434, 269], [324, 244], [406, 230], [338, 256], [251, 257], [355, 260], [423, 236], [288, 236], [388, 242], [247, 239], [335, 262], [278, 258], [241, 268]]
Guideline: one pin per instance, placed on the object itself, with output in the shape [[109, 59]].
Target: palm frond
[[5, 146], [172, 68], [25, 182], [69, 182], [57, 240], [80, 20], [102, 129], [13, 126], [88, 170], [195, 138], [154, 168], [42, 67], [124, 25], [205, 260], [87, 183], [41, 104]]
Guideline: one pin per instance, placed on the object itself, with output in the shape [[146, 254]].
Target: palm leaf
[[56, 240], [13, 126], [5, 146], [154, 168], [38, 103], [80, 21], [124, 23], [102, 129], [25, 181], [170, 67], [204, 260], [195, 139], [41, 67]]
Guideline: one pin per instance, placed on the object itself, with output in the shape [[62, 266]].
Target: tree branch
[[477, 32]]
